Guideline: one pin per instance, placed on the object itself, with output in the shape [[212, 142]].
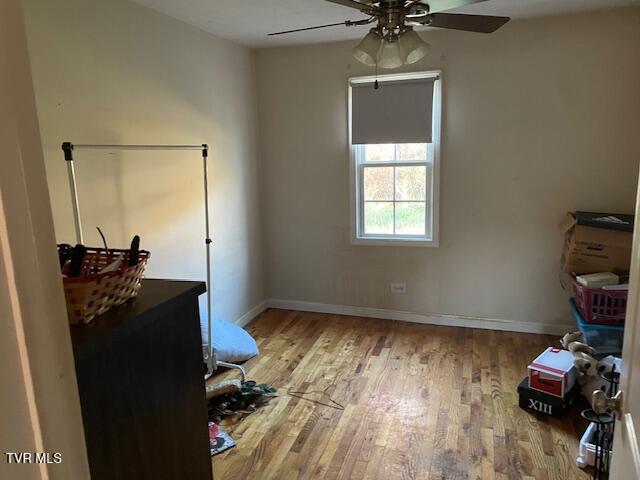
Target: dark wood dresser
[[140, 375]]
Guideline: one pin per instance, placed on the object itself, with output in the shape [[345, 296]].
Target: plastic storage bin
[[599, 305], [587, 451], [606, 339]]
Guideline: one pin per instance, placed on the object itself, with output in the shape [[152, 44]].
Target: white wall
[[117, 72], [539, 118]]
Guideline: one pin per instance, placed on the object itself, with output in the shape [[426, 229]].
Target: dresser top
[[137, 312]]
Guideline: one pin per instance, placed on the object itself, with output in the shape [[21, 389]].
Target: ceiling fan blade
[[444, 5], [469, 23], [363, 7], [308, 28]]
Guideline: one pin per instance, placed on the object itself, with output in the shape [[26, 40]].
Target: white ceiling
[[248, 21]]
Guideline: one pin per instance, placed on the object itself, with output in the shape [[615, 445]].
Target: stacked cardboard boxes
[[597, 254], [597, 242]]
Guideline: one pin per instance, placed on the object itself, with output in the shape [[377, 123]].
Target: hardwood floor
[[420, 402]]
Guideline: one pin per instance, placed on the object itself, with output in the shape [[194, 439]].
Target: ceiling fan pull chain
[[376, 86]]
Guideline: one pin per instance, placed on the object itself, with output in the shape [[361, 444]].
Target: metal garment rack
[[68, 148]]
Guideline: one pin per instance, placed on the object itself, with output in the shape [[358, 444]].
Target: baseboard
[[251, 314], [429, 319]]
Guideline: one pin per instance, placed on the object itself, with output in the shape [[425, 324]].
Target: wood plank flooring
[[420, 402]]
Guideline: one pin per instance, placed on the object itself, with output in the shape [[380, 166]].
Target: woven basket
[[93, 293]]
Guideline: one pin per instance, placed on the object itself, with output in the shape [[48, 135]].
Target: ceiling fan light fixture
[[413, 46], [384, 45], [367, 50], [390, 55]]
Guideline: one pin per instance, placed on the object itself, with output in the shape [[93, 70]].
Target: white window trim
[[354, 195]]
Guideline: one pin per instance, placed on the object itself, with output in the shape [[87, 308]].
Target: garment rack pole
[[68, 148], [89, 146], [211, 361], [74, 201]]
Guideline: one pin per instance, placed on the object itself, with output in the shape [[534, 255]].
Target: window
[[394, 185], [395, 181]]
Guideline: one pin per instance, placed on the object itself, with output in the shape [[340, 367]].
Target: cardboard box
[[553, 372], [541, 402], [597, 242]]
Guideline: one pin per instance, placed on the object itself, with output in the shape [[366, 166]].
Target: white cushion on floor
[[231, 342]]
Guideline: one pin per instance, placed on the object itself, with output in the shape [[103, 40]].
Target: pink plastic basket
[[600, 306]]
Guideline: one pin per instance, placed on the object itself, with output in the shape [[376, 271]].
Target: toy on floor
[[551, 385], [583, 358], [590, 369], [597, 382]]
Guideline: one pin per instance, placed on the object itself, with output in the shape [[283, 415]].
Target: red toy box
[[553, 372]]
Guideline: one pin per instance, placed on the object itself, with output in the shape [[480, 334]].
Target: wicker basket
[[93, 293]]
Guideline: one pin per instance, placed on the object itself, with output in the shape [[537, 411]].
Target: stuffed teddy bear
[[585, 364], [571, 337], [575, 347], [591, 370], [590, 384], [582, 355]]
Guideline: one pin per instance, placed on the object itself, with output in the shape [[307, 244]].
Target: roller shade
[[398, 112]]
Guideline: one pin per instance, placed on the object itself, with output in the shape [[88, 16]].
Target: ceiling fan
[[393, 42]]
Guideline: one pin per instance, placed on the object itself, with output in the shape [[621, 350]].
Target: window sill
[[394, 242]]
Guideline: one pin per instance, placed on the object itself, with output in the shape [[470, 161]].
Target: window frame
[[357, 171]]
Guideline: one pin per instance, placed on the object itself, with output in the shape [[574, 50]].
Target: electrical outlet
[[398, 287]]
